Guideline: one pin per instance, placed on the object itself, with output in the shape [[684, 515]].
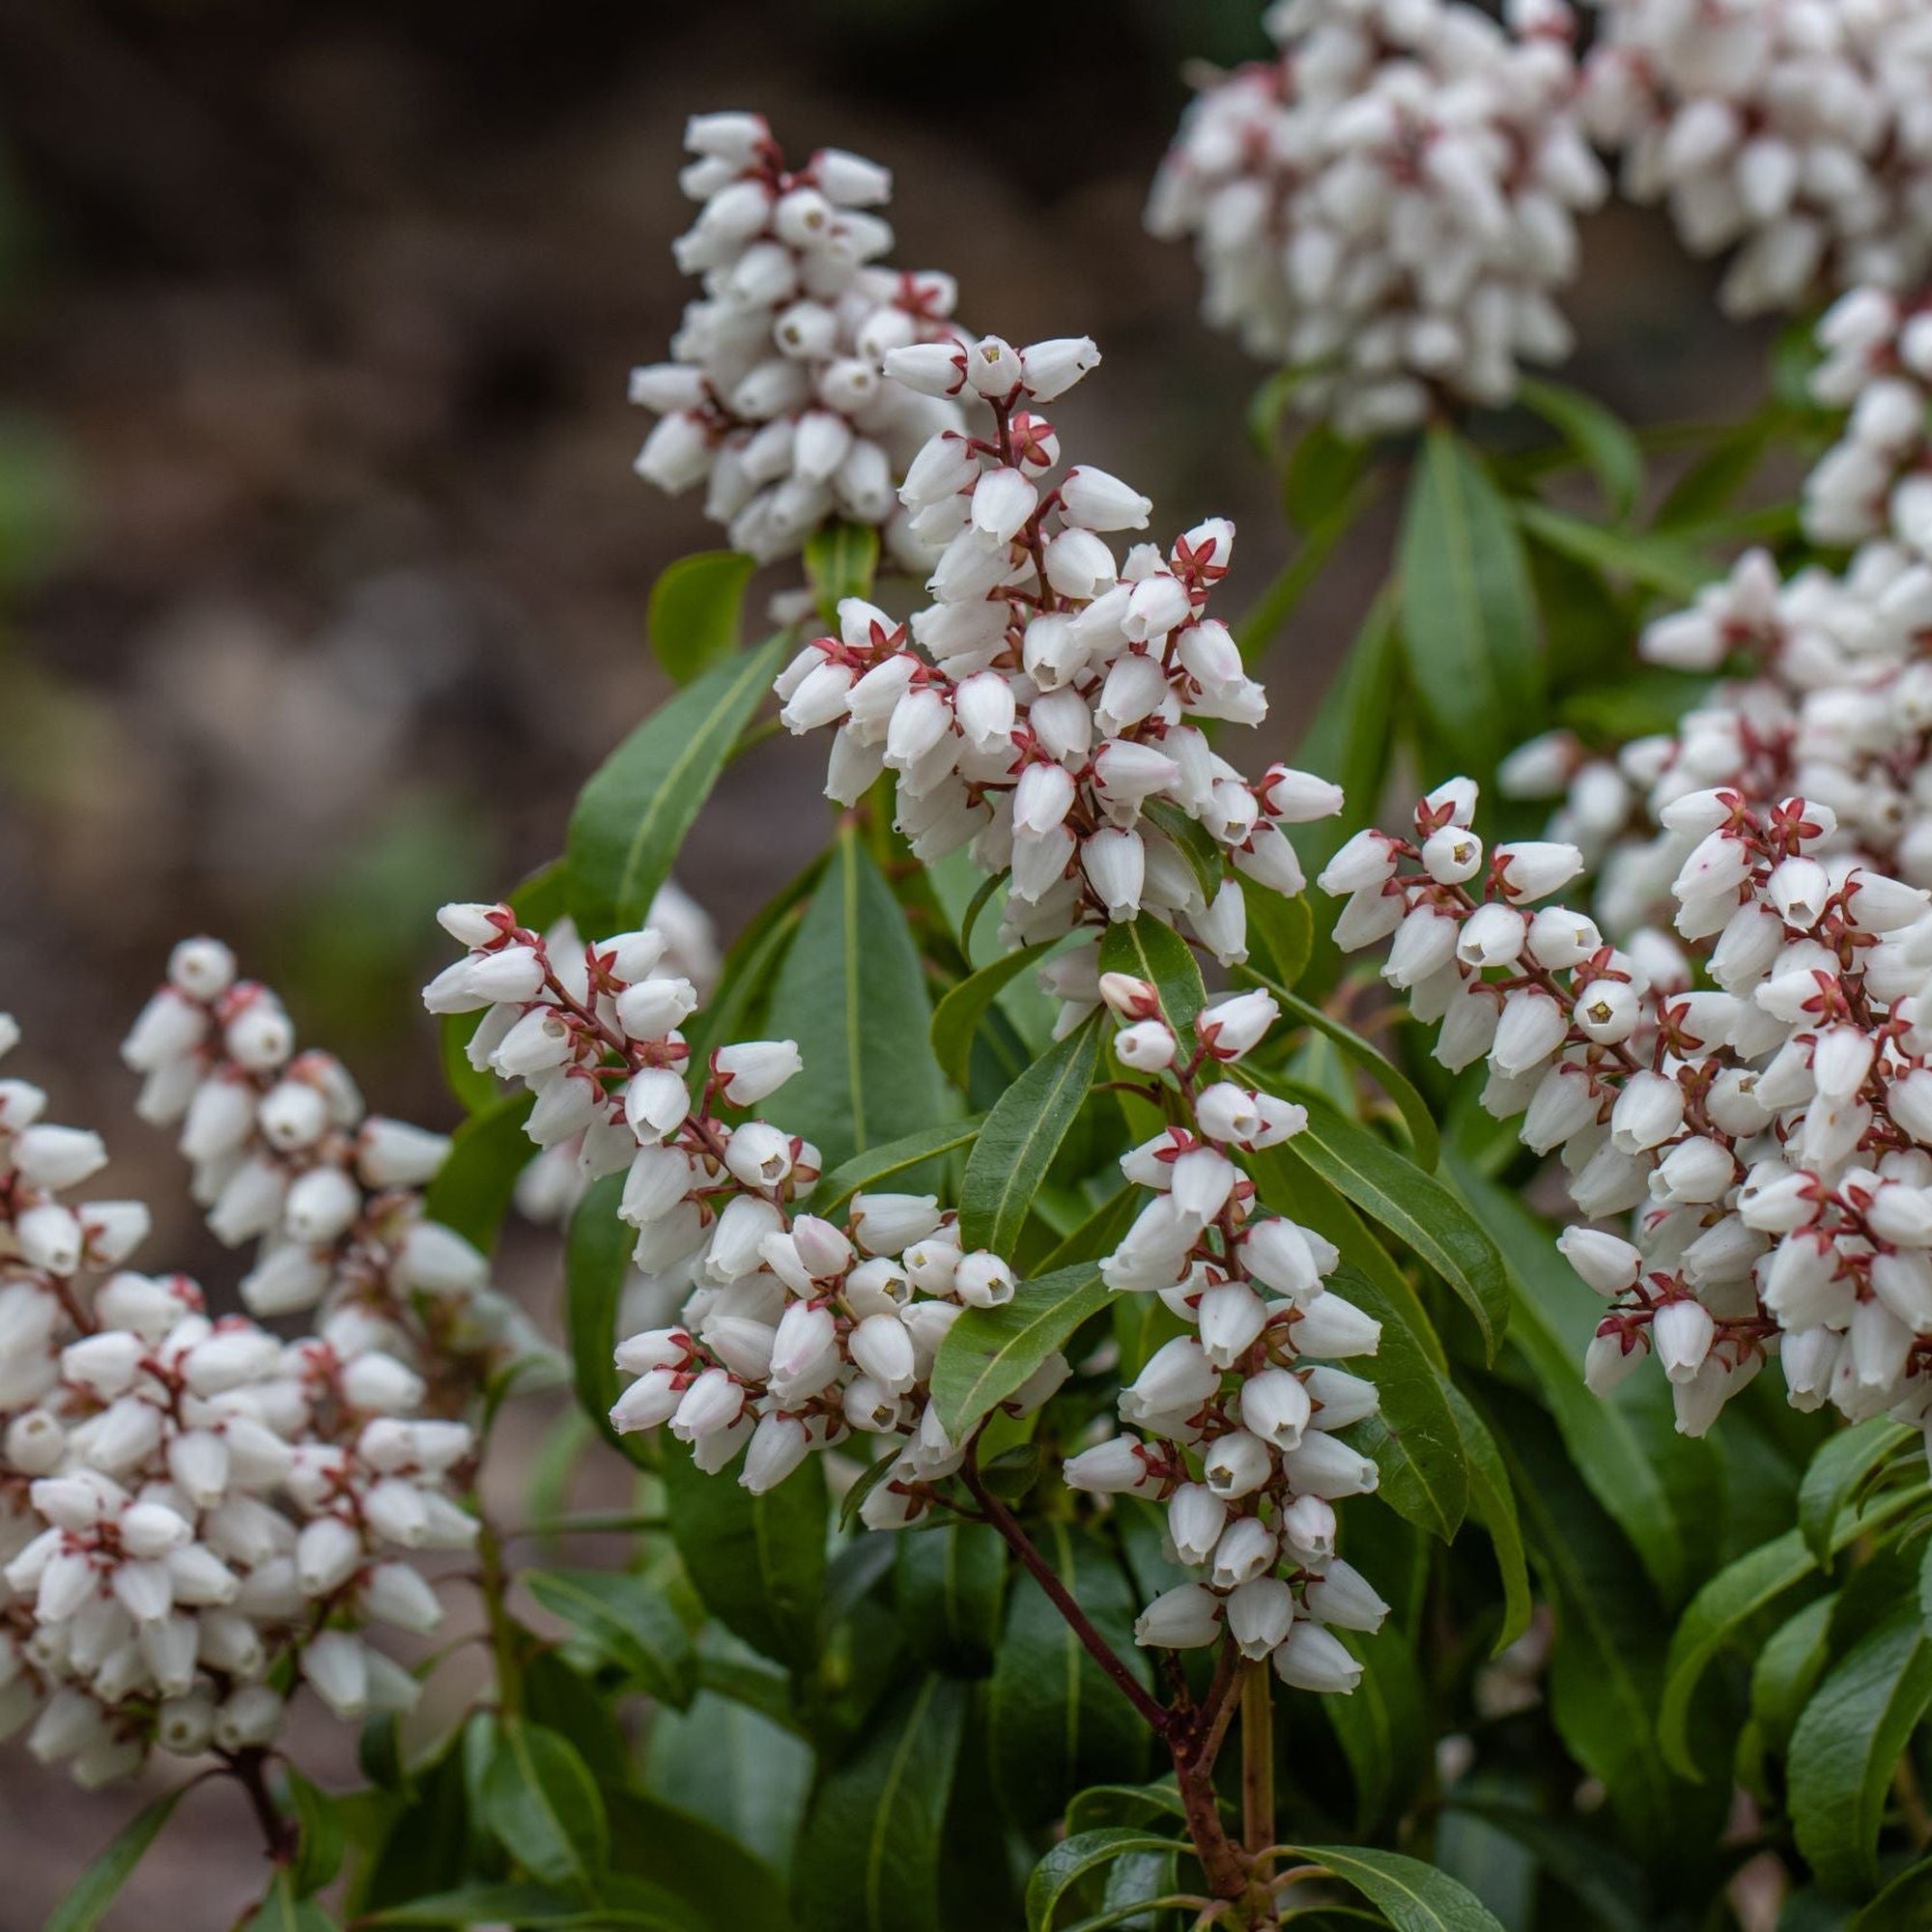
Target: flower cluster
[[1045, 707], [194, 1513], [1766, 1138], [283, 1154], [1833, 702], [773, 397], [1798, 132], [793, 1331], [1877, 479], [1235, 1420], [1390, 202]]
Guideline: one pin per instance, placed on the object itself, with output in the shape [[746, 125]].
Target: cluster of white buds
[[1798, 132], [194, 1513], [1767, 1139], [1831, 701], [1390, 202], [793, 1332], [1042, 708], [774, 396], [283, 1154], [1235, 1420], [1877, 479]]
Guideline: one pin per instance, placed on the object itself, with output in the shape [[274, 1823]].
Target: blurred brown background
[[323, 564]]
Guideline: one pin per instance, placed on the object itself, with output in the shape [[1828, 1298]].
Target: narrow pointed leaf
[[1493, 1501], [1020, 1136], [1075, 1858], [473, 1188], [840, 560], [988, 1352], [596, 1264], [881, 1166], [1603, 443], [956, 1019], [633, 816], [542, 1804], [627, 1621], [694, 610], [94, 1891], [1838, 1471], [1153, 952], [285, 1910], [1659, 563], [1412, 1896]]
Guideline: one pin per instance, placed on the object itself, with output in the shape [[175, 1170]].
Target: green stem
[[1258, 1767], [495, 1584]]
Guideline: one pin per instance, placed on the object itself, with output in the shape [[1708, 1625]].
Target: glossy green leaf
[[1605, 444], [734, 1009], [627, 1621], [1150, 949], [722, 1884], [1714, 479], [1493, 1501], [1353, 731], [633, 816], [840, 562], [1421, 1211], [1787, 1668], [949, 1585], [543, 1805], [1905, 1905], [694, 610], [1848, 1744], [758, 1562], [1724, 1612], [318, 1839], [1417, 1116], [1383, 1725], [1837, 1473], [1019, 1138], [958, 1017], [868, 1852], [96, 1890], [1412, 1896], [1078, 1858], [880, 1166], [852, 994], [1282, 929], [988, 1352], [1325, 499], [1468, 616], [596, 1264], [734, 1766], [1660, 563], [473, 1188], [1054, 1721]]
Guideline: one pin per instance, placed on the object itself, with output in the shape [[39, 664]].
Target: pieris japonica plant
[[1058, 1295]]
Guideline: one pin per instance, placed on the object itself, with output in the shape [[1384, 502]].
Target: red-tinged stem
[[279, 1834]]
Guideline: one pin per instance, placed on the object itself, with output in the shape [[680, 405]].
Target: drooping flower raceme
[[1796, 133], [284, 1155], [196, 1517], [1045, 707], [1390, 203], [1233, 1422], [1766, 1141], [1835, 704], [772, 397], [795, 1330], [1877, 479]]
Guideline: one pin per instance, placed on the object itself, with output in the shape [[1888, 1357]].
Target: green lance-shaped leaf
[[1660, 563], [1196, 843], [1468, 616], [1787, 1668], [1383, 1725], [1905, 1905], [1494, 1503], [949, 1584], [628, 1905], [1847, 1745], [286, 1910], [319, 1834], [887, 1166], [1412, 1896], [988, 1352], [840, 560], [868, 1857], [1078, 1858], [1423, 1212], [758, 1562], [958, 1017], [542, 1804], [633, 816], [1054, 1721], [852, 994], [99, 1885], [628, 1623], [694, 610], [1020, 1136], [1149, 949], [1281, 931], [596, 1264], [1725, 1612], [1603, 443], [1838, 1471]]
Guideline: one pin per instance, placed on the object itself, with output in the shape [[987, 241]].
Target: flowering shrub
[[1059, 1312]]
